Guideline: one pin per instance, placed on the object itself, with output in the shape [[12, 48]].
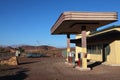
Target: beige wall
[[111, 58], [114, 57], [117, 43], [95, 57]]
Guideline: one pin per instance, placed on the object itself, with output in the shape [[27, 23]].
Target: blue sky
[[29, 21]]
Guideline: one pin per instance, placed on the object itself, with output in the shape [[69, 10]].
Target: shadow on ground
[[92, 65], [19, 75], [28, 62]]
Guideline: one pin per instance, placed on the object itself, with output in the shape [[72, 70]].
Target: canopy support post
[[84, 48], [68, 46]]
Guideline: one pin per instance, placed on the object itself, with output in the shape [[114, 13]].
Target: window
[[94, 49]]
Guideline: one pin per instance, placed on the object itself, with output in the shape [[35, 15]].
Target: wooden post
[[68, 45], [84, 47]]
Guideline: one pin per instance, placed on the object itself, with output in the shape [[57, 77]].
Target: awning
[[71, 22], [106, 35]]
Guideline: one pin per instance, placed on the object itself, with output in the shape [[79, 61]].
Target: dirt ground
[[48, 68]]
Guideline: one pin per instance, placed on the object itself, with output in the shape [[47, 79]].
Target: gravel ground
[[48, 68]]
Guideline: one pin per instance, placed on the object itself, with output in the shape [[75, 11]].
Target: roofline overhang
[[84, 16], [106, 31]]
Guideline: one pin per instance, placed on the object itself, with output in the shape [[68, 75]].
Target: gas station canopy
[[71, 22]]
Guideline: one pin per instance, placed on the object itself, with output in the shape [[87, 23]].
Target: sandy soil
[[48, 68]]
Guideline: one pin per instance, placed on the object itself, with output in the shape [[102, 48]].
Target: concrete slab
[[82, 69]]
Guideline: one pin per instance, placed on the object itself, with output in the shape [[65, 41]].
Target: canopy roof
[[71, 22]]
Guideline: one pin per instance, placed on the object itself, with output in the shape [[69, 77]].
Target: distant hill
[[34, 48], [44, 49]]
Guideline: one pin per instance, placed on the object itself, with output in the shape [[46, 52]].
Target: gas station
[[80, 23]]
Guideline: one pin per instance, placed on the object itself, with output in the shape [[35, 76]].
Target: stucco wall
[[117, 43], [95, 57], [114, 56]]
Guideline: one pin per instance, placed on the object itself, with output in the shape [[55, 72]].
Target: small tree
[[21, 49]]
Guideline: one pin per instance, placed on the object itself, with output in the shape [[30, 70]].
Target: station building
[[103, 45]]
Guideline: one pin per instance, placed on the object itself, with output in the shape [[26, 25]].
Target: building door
[[106, 51]]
